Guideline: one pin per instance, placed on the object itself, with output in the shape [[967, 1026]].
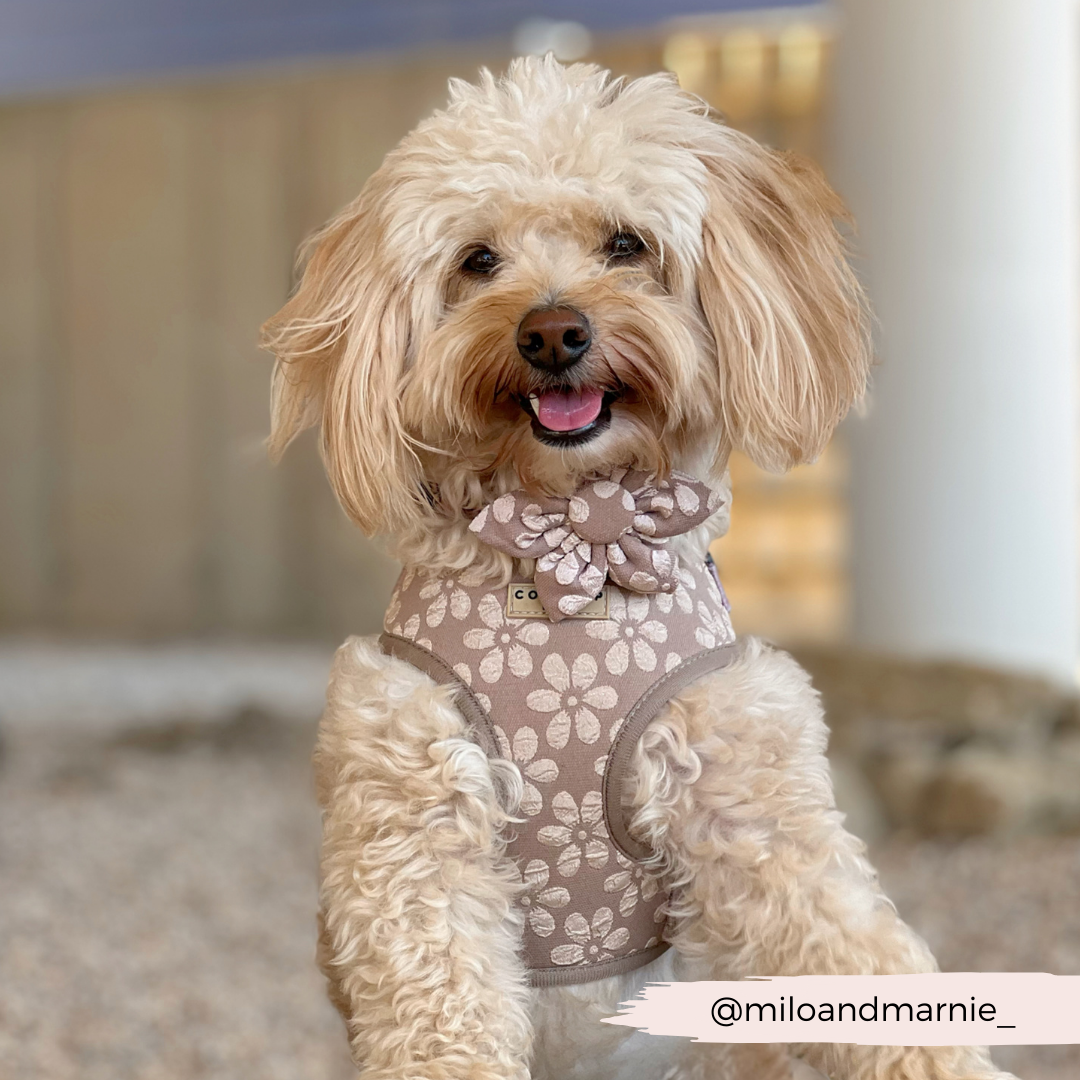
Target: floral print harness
[[566, 699]]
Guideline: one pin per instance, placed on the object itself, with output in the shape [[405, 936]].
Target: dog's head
[[558, 274]]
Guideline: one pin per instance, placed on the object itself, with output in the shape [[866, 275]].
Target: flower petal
[[554, 835], [565, 808], [542, 770], [491, 666], [637, 607], [525, 744], [478, 638], [618, 658], [644, 656], [567, 954], [588, 727], [544, 700], [532, 802], [577, 927], [613, 882], [592, 807], [460, 604], [584, 671], [569, 861], [555, 897], [519, 661], [431, 588], [556, 672], [655, 631], [490, 610], [533, 633], [536, 873], [618, 940], [558, 731], [602, 630], [596, 854], [601, 921], [628, 901], [602, 697], [541, 922], [436, 610]]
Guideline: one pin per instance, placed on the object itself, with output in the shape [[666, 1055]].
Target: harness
[[567, 702]]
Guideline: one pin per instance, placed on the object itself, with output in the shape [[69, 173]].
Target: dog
[[531, 344]]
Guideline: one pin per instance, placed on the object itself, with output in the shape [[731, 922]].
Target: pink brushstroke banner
[[950, 1009]]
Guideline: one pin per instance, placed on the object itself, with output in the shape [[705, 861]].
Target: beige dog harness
[[566, 698]]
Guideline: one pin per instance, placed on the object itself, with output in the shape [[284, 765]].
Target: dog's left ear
[[787, 314]]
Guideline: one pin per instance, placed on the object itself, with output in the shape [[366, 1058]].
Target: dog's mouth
[[565, 417]]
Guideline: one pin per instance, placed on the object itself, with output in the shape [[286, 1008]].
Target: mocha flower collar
[[615, 528]]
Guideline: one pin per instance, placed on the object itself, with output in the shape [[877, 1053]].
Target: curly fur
[[739, 325]]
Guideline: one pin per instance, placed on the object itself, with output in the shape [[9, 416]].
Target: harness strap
[[644, 711], [441, 672]]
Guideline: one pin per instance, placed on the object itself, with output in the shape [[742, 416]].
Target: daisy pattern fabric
[[566, 702], [615, 528]]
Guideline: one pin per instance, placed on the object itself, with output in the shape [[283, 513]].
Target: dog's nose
[[553, 339]]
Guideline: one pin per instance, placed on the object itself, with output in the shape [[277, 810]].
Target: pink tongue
[[565, 412]]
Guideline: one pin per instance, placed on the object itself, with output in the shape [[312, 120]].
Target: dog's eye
[[481, 261], [625, 245]]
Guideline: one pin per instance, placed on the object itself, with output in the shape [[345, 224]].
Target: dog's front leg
[[418, 940], [732, 783]]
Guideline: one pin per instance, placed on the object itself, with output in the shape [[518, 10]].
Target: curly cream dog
[[558, 276]]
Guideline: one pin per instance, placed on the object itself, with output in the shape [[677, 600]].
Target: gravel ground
[[158, 896]]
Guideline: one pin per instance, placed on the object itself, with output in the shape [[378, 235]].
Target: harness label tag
[[523, 602]]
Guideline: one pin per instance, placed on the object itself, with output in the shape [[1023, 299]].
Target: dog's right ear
[[341, 344]]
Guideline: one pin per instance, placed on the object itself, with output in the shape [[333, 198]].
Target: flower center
[[571, 701], [505, 639], [629, 631]]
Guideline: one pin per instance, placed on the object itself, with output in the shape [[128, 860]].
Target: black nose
[[553, 339]]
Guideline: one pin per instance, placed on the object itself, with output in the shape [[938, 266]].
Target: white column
[[956, 147]]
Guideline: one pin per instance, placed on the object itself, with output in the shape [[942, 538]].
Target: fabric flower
[[505, 639], [571, 688], [539, 898], [445, 594], [630, 633], [594, 941], [634, 881], [523, 754], [617, 527], [715, 628], [582, 828]]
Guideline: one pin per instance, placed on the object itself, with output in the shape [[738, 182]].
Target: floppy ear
[[787, 314], [341, 344]]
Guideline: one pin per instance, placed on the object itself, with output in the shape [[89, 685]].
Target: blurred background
[[169, 602]]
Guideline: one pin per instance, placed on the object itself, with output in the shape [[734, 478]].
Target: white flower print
[[630, 632], [633, 881], [523, 753], [582, 827], [592, 941], [444, 594], [666, 601], [715, 628], [505, 639], [540, 898], [571, 688]]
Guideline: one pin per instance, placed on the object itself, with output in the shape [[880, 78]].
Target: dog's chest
[[566, 702]]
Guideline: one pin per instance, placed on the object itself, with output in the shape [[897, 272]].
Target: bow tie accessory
[[615, 528]]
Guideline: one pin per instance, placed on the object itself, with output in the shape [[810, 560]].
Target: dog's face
[[557, 275]]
